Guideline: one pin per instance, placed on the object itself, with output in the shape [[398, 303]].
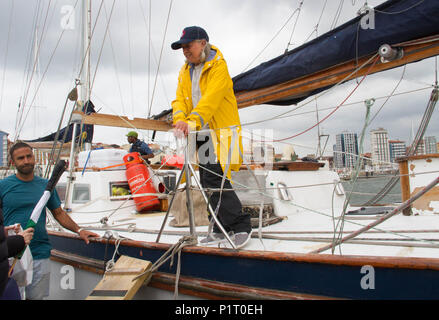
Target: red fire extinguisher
[[138, 179]]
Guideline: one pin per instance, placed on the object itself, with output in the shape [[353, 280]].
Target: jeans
[[39, 288]]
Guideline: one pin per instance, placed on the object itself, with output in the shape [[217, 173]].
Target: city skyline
[[383, 148]]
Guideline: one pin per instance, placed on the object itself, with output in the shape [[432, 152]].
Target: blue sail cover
[[88, 128], [396, 21]]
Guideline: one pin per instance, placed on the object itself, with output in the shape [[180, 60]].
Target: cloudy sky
[[127, 80]]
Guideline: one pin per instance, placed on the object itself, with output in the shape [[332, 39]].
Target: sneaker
[[241, 239], [213, 238]]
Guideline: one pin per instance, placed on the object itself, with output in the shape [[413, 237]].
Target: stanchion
[[189, 171]]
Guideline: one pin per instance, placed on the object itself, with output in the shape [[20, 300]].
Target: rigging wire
[[6, 53], [318, 23], [116, 70], [31, 41], [103, 42], [391, 94], [337, 15], [401, 11], [151, 51], [160, 57], [22, 122], [340, 223], [319, 212], [23, 105], [412, 150], [332, 112], [435, 71], [269, 42], [305, 103], [129, 60], [294, 27], [265, 138], [352, 103]]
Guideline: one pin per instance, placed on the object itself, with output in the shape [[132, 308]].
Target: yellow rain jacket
[[216, 110]]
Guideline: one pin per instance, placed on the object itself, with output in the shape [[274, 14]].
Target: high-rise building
[[379, 143], [397, 149], [338, 159], [420, 149], [3, 149], [345, 150], [430, 145]]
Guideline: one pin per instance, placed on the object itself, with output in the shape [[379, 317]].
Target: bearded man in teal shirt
[[19, 194]]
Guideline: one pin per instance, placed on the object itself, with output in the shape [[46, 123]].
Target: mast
[[85, 49], [84, 93], [36, 70]]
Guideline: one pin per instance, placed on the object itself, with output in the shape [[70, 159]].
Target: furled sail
[[287, 79], [88, 109]]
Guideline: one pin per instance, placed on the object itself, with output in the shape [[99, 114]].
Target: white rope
[[169, 254], [110, 263]]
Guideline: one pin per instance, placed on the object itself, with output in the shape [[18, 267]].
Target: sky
[[136, 79]]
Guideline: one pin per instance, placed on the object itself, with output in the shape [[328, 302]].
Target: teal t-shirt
[[19, 199]]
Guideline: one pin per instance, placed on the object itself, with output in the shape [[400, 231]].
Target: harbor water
[[365, 188]]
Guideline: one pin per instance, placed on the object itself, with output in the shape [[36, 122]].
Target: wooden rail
[[124, 122]]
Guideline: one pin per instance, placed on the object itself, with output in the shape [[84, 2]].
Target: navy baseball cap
[[190, 34]]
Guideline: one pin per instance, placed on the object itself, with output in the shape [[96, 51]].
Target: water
[[371, 186]]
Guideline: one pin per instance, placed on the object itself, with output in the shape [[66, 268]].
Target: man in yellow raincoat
[[205, 102]]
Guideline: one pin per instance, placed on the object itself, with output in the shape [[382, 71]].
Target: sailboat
[[306, 242]]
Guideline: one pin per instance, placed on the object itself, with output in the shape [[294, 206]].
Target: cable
[[368, 104], [294, 27], [391, 94], [269, 42], [332, 112], [103, 42], [337, 15], [402, 11], [6, 54], [318, 22], [160, 57]]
